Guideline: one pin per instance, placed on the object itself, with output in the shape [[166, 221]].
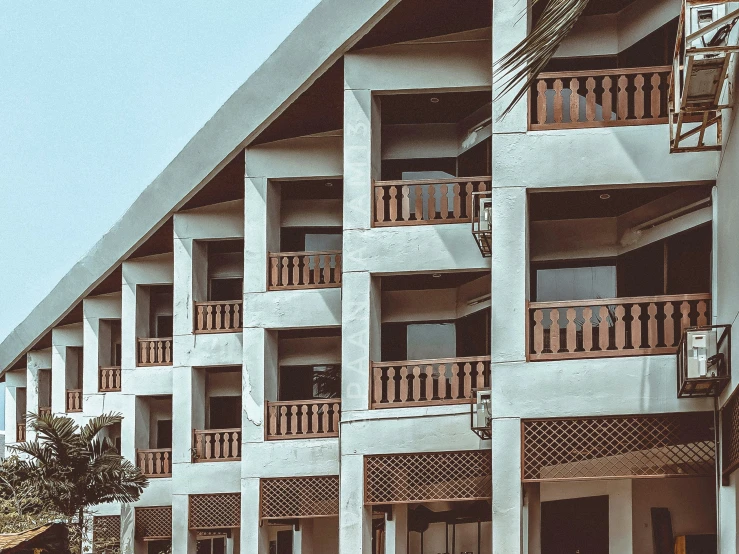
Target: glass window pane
[[322, 241], [431, 340], [576, 283]]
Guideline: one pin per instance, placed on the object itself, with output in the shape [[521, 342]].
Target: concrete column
[[303, 537], [532, 505], [254, 537], [128, 529], [361, 156], [355, 519], [58, 378], [728, 500], [262, 226], [188, 400], [184, 541], [259, 382], [396, 531], [128, 319], [507, 496], [230, 544], [182, 293], [10, 414], [509, 28]]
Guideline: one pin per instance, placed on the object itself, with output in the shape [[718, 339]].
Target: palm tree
[[521, 65], [77, 467]]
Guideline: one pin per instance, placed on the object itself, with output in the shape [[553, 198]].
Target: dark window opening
[[164, 326], [164, 433], [226, 289], [309, 382], [225, 412], [310, 239]]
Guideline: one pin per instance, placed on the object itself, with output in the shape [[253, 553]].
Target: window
[[225, 412], [212, 545], [159, 547], [310, 382], [576, 283], [163, 326], [226, 289], [164, 433], [431, 340]]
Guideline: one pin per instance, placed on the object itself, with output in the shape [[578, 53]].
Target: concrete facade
[[348, 325]]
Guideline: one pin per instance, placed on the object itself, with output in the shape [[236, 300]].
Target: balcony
[[425, 201], [428, 382], [304, 270], [154, 352], [217, 445], [218, 317], [600, 98], [44, 410], [20, 432], [604, 328], [74, 400], [303, 419], [109, 379], [155, 462]]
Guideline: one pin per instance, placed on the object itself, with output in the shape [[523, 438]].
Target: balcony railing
[[426, 201], [74, 400], [428, 382], [44, 410], [109, 379], [20, 432], [156, 462], [303, 419], [155, 352], [218, 317], [217, 445], [638, 326], [600, 98], [304, 270]]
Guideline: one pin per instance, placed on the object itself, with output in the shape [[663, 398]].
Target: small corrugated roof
[[12, 540]]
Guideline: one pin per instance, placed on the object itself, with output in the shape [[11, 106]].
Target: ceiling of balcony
[[449, 107], [423, 281]]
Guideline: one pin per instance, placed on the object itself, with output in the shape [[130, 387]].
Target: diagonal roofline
[[326, 33]]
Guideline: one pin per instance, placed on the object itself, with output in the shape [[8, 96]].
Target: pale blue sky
[[95, 99]]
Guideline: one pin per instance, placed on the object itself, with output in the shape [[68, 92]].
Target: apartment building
[[362, 313]]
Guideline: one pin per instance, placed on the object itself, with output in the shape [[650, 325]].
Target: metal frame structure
[[290, 498], [698, 78], [482, 221], [704, 386], [153, 523], [209, 512]]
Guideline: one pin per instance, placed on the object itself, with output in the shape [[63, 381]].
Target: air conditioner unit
[[481, 414], [704, 360], [482, 221]]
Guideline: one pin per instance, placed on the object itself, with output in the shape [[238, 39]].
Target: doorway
[[578, 525]]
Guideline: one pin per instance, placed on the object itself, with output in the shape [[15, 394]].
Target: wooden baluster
[[284, 281], [326, 269], [158, 463], [652, 325], [607, 100], [685, 319], [293, 420], [405, 203], [455, 381], [199, 445], [702, 313], [403, 384], [441, 385], [209, 317], [669, 324], [273, 271], [303, 411], [284, 421], [236, 444], [635, 326], [571, 330], [168, 352], [237, 316], [639, 97], [327, 419], [467, 380], [377, 386], [538, 332], [457, 201], [226, 446], [336, 416], [541, 101], [393, 203], [429, 389], [656, 96], [227, 317], [272, 420], [200, 318], [623, 98], [167, 469], [306, 271], [379, 204], [620, 324], [587, 329], [431, 202], [218, 317], [217, 451], [444, 209], [208, 447], [337, 269], [603, 338], [574, 100], [480, 377], [554, 341], [558, 100], [296, 270], [418, 202], [416, 384], [314, 417], [153, 352], [469, 189], [590, 99]]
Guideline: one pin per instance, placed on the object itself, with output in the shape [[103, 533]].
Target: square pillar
[[507, 491], [303, 537], [262, 226], [254, 537], [258, 383], [355, 519], [128, 529], [509, 28], [396, 531], [188, 400], [184, 541]]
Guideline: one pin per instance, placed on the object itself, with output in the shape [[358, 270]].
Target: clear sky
[[95, 99]]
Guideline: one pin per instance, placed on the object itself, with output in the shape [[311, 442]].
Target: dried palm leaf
[[521, 65]]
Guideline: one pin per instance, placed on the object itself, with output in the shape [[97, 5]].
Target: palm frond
[[521, 65], [97, 424]]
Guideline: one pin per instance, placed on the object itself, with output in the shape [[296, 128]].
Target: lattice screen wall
[[440, 476], [154, 523], [622, 446], [106, 532], [730, 434], [300, 497], [215, 511]]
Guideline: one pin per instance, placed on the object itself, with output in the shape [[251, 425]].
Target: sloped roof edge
[[330, 29]]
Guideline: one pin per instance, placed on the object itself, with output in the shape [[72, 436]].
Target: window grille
[[154, 523], [440, 476], [730, 434], [677, 444], [299, 497], [106, 532], [215, 511]]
